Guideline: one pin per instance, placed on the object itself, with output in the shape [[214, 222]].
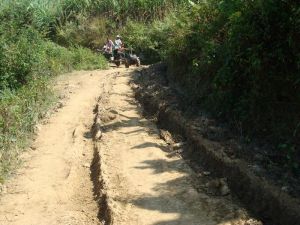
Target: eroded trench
[[258, 194], [99, 187], [203, 198]]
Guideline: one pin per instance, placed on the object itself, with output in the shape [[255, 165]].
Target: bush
[[19, 112], [156, 41], [138, 37], [28, 60], [87, 32], [85, 59], [240, 60], [137, 10], [19, 56]]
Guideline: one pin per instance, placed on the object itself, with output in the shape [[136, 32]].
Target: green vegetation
[[100, 19], [237, 59], [137, 10], [28, 60], [243, 64]]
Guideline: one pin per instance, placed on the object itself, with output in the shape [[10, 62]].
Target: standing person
[[118, 42]]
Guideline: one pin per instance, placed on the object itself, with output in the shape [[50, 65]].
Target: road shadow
[[177, 196], [183, 197], [152, 145]]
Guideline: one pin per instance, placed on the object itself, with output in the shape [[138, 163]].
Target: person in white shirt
[[118, 42]]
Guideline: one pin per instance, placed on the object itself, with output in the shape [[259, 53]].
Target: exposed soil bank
[[100, 187], [258, 193], [140, 179]]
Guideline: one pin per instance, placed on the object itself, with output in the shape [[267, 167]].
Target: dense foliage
[[138, 10], [27, 61], [238, 59], [100, 19]]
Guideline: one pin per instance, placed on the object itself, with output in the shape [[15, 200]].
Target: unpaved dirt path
[[54, 184], [145, 183], [142, 183]]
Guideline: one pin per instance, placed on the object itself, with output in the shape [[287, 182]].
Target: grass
[[19, 112], [28, 62], [40, 39], [22, 108]]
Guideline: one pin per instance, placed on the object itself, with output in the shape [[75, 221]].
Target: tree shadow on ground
[[179, 197], [128, 122], [152, 145]]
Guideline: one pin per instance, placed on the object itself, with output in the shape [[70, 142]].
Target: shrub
[[85, 59], [19, 56], [241, 61], [28, 60], [19, 112]]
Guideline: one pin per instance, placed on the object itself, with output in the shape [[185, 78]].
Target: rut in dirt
[[108, 165], [54, 185], [146, 182]]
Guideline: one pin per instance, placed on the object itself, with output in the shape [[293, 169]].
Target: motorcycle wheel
[[126, 64], [118, 63]]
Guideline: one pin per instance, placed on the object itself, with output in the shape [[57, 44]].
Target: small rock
[[224, 190], [241, 214], [86, 165], [178, 145], [285, 188], [218, 187], [253, 222], [98, 120], [60, 105], [166, 136], [206, 173], [107, 117], [98, 134], [190, 195], [112, 116]]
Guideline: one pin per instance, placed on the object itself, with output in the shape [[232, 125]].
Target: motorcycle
[[123, 56]]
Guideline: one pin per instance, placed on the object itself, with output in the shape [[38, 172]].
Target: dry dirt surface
[[141, 181], [54, 186]]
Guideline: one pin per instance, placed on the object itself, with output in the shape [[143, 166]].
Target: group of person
[[110, 47], [116, 52]]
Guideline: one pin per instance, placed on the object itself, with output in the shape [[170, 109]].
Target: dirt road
[[141, 181]]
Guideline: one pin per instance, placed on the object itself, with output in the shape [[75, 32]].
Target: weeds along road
[[126, 177]]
